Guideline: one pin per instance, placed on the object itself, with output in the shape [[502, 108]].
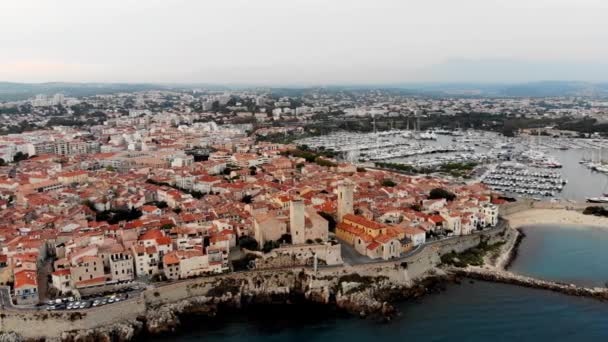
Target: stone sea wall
[[364, 289], [506, 277], [33, 324]]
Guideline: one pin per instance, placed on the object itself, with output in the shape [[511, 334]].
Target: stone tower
[[345, 199], [297, 221]]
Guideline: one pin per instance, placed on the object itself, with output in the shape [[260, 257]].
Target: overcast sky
[[301, 41]]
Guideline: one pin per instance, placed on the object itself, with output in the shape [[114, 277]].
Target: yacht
[[428, 135]]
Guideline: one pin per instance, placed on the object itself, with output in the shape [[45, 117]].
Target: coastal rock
[[119, 332], [319, 295], [360, 297], [165, 318], [10, 337]]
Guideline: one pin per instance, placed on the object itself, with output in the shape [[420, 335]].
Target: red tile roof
[[360, 220], [25, 278]]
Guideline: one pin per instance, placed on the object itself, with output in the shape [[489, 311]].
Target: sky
[[312, 42]]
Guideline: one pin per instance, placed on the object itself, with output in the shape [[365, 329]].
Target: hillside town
[[139, 201]]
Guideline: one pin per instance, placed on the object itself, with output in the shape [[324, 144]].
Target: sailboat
[[603, 199]]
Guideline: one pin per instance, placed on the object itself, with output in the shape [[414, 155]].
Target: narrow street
[[44, 273]]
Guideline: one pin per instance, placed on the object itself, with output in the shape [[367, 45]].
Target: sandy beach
[[555, 216], [538, 216]]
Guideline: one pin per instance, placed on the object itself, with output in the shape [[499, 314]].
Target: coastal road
[[351, 257], [44, 274]]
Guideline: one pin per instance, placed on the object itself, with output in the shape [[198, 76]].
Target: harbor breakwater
[[505, 277], [362, 289]]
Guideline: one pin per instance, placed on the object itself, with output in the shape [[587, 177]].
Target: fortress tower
[[297, 221], [345, 199]]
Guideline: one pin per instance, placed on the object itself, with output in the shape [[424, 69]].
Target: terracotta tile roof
[[153, 234], [164, 240], [384, 238], [92, 282], [413, 231], [355, 231], [62, 272], [360, 220], [436, 219], [25, 278], [373, 246], [170, 259]]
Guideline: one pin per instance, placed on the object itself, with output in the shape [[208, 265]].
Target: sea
[[470, 311], [570, 254]]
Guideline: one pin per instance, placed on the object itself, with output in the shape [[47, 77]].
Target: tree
[[248, 242], [110, 168], [269, 246], [177, 210], [416, 207], [439, 193], [19, 156], [2, 162], [246, 199], [388, 183], [167, 226]]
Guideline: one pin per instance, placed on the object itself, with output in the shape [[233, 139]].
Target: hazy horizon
[[303, 43]]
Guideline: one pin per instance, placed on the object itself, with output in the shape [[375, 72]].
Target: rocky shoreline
[[354, 294], [363, 291]]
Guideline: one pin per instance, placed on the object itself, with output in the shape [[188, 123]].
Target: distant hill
[[557, 88], [531, 89], [20, 91], [10, 91]]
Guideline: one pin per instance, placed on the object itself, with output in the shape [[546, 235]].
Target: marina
[[577, 161], [512, 178], [364, 147]]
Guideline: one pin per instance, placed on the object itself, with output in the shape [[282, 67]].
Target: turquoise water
[[469, 312], [577, 255]]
